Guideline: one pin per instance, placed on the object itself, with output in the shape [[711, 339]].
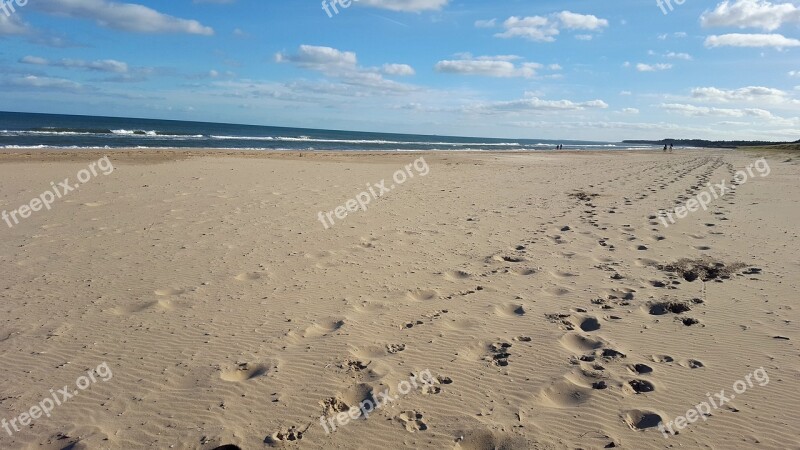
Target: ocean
[[18, 130]]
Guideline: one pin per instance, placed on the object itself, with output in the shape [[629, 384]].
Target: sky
[[545, 69]]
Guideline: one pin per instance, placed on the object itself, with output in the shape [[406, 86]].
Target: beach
[[523, 300]]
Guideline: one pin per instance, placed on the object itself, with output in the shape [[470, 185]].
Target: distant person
[[665, 148], [670, 148]]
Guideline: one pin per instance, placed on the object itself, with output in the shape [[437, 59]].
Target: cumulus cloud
[[322, 59], [573, 21], [398, 70], [751, 14], [545, 29], [751, 40], [343, 65]]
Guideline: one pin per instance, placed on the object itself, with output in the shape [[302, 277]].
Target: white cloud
[[641, 67], [322, 59], [683, 56], [105, 65], [677, 35], [489, 66], [573, 21], [751, 14], [535, 28], [532, 103], [545, 29], [398, 70], [122, 16], [702, 111], [758, 94], [12, 25], [61, 84], [406, 5], [344, 66], [751, 40]]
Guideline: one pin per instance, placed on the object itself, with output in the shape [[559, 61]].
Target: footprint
[[565, 394], [164, 304], [640, 369], [556, 291], [640, 386], [589, 324], [413, 421], [610, 353], [510, 310], [248, 276], [484, 439], [342, 402], [561, 274], [422, 295], [169, 291], [369, 352], [323, 328], [395, 348], [499, 353], [692, 364], [577, 343], [688, 321], [457, 275], [674, 307], [246, 371], [291, 434], [522, 271], [640, 420], [662, 358], [507, 258], [430, 389]]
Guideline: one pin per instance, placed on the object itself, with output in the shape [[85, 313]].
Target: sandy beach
[[197, 300]]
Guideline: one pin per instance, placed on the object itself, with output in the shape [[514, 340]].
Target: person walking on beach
[[670, 147], [665, 148]]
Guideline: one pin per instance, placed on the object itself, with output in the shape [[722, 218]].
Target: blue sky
[[502, 68]]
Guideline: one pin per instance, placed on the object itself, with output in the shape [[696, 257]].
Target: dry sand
[[229, 315]]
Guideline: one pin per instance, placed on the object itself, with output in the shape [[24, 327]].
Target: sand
[[541, 292]]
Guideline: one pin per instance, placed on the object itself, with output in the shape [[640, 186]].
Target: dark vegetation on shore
[[716, 144]]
